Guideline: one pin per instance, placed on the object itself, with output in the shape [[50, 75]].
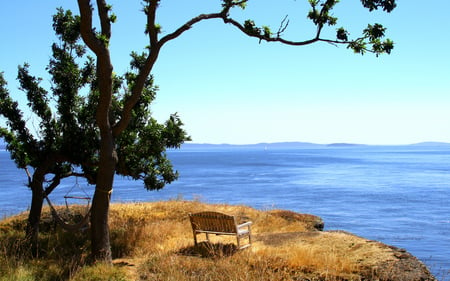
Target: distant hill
[[342, 144], [291, 145], [431, 143], [275, 145]]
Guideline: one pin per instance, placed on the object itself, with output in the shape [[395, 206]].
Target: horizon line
[[316, 144]]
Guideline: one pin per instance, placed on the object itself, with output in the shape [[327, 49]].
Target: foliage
[[141, 146], [386, 5], [321, 15], [56, 144], [68, 134]]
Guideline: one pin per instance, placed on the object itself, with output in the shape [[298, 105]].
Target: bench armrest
[[245, 224]]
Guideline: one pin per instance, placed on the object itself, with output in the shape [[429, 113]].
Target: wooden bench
[[220, 224]]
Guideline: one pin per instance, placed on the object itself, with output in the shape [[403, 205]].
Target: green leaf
[[342, 34], [267, 32], [386, 5], [113, 18], [374, 32]]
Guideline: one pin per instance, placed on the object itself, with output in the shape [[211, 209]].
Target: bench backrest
[[213, 221]]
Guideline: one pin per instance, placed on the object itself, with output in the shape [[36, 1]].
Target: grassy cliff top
[[154, 241]]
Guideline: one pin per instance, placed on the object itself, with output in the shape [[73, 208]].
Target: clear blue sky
[[228, 88]]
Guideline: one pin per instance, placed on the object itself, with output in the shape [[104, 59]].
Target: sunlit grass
[[153, 241]]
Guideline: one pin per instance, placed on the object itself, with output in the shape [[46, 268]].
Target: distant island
[[431, 143], [263, 145], [297, 145], [345, 144], [283, 145]]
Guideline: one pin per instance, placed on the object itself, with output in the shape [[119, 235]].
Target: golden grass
[[153, 241]]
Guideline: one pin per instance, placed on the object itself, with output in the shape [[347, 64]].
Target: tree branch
[[155, 47], [155, 44], [227, 5], [100, 48], [104, 18], [87, 33], [283, 26], [54, 183], [185, 27], [144, 72], [136, 91], [150, 11], [279, 39], [56, 180], [271, 39]]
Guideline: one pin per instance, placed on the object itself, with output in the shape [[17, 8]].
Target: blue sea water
[[399, 195]]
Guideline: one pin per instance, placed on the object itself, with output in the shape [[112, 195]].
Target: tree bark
[[100, 242], [101, 248], [34, 216]]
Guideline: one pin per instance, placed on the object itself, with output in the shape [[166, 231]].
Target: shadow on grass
[[209, 250]]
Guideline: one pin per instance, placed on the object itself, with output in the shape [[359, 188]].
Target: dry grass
[[153, 241]]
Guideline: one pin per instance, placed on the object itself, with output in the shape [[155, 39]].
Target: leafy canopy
[[66, 139]]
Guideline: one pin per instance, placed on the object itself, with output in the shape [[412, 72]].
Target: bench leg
[[195, 238], [238, 238]]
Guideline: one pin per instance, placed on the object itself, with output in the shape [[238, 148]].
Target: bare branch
[[56, 180], [283, 26], [54, 183], [190, 23], [30, 178], [222, 15]]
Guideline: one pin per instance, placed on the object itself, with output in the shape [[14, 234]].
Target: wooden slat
[[214, 222], [219, 224]]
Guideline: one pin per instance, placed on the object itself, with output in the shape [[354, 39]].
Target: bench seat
[[220, 224]]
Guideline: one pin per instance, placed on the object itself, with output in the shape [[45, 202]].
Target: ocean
[[399, 195]]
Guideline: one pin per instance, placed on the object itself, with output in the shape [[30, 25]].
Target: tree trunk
[[100, 242], [101, 247], [34, 217]]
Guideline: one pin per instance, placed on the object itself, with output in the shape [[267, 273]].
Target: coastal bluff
[[153, 241]]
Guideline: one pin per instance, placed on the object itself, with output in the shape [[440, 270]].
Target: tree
[[320, 14], [55, 150], [67, 140]]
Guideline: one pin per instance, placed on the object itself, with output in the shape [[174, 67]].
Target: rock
[[403, 267], [314, 222]]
